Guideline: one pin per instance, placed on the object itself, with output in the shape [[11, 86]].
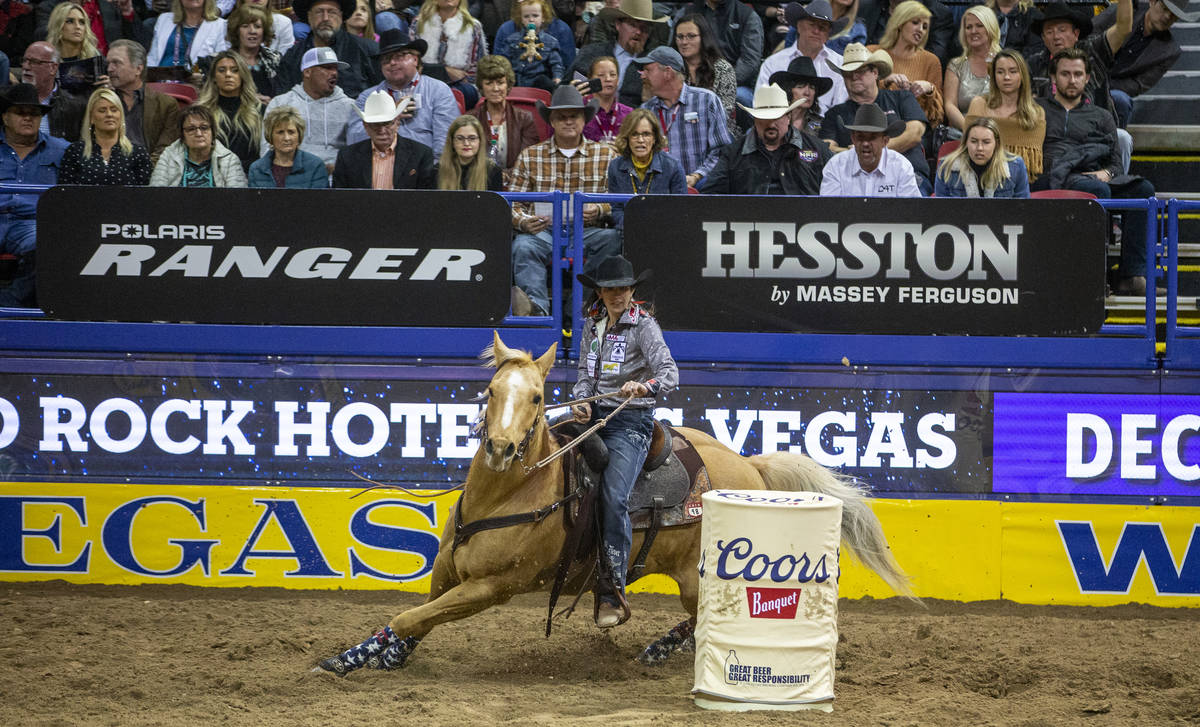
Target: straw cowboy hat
[[872, 119], [770, 102], [856, 56], [642, 10], [567, 97], [802, 70], [380, 108], [613, 272]]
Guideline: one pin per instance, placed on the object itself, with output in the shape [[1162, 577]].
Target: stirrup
[[622, 604]]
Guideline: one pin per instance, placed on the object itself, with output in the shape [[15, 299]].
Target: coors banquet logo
[[777, 603]]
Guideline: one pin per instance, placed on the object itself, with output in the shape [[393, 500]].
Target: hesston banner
[[305, 257], [847, 265]]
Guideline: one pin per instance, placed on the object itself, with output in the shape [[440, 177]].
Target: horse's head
[[514, 408]]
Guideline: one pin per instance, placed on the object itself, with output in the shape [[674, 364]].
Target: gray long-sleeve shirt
[[631, 350]]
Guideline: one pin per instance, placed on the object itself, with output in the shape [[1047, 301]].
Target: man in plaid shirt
[[566, 162]]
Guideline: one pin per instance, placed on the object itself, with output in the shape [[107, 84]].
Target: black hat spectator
[[870, 168], [813, 23], [801, 83], [325, 18]]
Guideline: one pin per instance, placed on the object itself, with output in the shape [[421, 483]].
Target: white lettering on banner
[[759, 606], [865, 248], [163, 232], [1084, 428], [888, 436], [330, 263], [10, 423]]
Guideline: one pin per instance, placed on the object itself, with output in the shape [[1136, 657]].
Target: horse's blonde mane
[[488, 357]]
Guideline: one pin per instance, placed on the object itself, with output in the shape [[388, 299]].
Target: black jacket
[[361, 75], [1136, 73], [66, 114], [1077, 141], [744, 169], [413, 166]]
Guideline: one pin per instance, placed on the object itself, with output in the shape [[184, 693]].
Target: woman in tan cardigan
[[913, 68], [1010, 102]]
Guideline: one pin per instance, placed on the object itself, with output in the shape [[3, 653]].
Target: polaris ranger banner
[[316, 257], [842, 265]]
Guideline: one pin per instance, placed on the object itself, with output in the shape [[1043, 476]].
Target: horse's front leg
[[390, 647]]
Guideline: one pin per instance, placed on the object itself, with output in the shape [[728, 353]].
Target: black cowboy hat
[[816, 10], [613, 272], [395, 39], [871, 118], [567, 97], [22, 94], [1062, 11], [801, 70], [301, 8]]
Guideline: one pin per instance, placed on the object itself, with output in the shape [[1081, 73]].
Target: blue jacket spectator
[[307, 172], [963, 179], [27, 156], [560, 30], [642, 166]]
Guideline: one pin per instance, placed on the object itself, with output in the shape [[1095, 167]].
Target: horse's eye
[[537, 398]]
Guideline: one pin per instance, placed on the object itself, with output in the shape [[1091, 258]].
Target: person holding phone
[[610, 112]]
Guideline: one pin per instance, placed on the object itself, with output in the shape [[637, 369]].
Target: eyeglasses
[[327, 12], [687, 36], [36, 62], [642, 135], [466, 139], [196, 129]]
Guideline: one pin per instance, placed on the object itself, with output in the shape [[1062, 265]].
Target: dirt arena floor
[[175, 655]]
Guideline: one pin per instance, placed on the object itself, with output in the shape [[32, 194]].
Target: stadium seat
[[462, 104], [1061, 194], [946, 148], [184, 93], [525, 97]]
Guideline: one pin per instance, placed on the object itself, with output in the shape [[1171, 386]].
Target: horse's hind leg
[[682, 636]]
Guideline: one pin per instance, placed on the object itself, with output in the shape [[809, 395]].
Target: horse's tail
[[861, 531]]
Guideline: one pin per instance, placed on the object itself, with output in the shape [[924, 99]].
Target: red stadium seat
[[184, 93], [524, 97], [946, 148], [1061, 194], [462, 104]]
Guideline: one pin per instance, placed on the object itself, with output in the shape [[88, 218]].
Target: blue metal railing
[[1119, 346]]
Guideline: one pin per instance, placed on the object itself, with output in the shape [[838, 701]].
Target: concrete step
[[1176, 82], [1177, 172], [1190, 60], [1189, 305], [1150, 136], [1166, 110]]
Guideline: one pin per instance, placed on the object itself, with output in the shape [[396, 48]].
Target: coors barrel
[[766, 632]]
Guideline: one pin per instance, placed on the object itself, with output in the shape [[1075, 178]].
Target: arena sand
[[176, 655]]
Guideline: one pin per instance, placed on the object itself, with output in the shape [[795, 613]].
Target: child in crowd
[[533, 53]]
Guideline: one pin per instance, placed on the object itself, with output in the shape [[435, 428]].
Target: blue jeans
[[531, 259], [1133, 225], [628, 438], [18, 236], [1124, 105]]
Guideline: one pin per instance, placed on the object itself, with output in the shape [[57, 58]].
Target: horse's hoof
[[332, 665]]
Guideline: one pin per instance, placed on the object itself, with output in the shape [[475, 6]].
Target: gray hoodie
[[326, 120]]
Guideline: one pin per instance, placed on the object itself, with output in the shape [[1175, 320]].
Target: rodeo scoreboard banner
[[313, 257], [974, 267]]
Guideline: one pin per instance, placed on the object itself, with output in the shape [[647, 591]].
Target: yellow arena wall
[[292, 537]]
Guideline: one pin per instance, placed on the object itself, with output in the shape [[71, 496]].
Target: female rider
[[622, 352]]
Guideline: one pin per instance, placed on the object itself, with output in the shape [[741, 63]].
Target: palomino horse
[[493, 565]]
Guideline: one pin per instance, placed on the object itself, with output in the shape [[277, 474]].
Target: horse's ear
[[546, 360], [497, 353]]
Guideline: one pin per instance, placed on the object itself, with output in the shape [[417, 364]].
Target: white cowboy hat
[[770, 102], [856, 56], [380, 108]]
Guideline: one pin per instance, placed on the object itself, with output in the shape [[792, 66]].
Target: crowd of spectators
[[832, 97]]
